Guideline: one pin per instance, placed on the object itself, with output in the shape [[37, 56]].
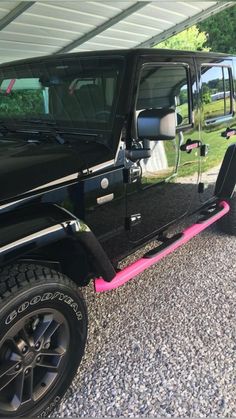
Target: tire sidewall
[[45, 295]]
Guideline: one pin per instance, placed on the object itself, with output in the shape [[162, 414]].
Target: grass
[[216, 108], [189, 162], [217, 148]]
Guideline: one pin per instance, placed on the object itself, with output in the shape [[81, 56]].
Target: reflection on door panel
[[162, 163], [217, 105], [163, 87], [161, 196], [216, 96]]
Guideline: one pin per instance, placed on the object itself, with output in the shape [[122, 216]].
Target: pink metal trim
[[10, 86], [140, 265]]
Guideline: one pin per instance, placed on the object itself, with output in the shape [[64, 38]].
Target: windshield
[[74, 93]]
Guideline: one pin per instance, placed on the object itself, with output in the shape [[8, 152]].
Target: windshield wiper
[[4, 129], [38, 121], [51, 127], [89, 137], [85, 136], [52, 131]]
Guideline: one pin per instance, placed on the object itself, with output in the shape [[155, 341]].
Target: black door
[[218, 120], [168, 178]]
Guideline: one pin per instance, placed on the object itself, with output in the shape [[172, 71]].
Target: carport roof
[[37, 28]]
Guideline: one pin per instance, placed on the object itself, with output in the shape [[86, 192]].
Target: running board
[[152, 257]]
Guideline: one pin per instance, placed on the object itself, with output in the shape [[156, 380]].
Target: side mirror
[[179, 119], [156, 124]]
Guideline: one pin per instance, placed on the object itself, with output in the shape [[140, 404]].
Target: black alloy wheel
[[43, 329]]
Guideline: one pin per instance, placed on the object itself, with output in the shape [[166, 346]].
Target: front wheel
[[43, 330], [227, 224]]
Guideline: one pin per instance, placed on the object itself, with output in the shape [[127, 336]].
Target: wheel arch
[[50, 235], [66, 256]]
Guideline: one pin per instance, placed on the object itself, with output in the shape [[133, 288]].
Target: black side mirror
[[156, 124], [179, 119]]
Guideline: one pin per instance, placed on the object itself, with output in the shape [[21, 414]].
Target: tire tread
[[15, 277]]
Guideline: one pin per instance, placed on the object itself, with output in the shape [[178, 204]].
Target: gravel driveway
[[165, 343]]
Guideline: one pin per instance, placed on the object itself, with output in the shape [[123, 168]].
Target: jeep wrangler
[[101, 153]]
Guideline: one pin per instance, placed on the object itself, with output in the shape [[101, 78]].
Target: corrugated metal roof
[[37, 28]]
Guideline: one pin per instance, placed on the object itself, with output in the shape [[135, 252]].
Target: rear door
[[168, 179], [218, 122]]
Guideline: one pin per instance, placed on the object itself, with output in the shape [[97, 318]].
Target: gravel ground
[[165, 343]]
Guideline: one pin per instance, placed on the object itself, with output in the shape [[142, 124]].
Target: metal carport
[[35, 28]]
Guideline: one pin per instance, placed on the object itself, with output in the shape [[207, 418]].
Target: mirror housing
[[156, 124]]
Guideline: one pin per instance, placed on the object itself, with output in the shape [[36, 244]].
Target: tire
[[43, 331], [227, 224]]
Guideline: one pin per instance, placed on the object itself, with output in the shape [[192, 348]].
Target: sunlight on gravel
[[165, 343]]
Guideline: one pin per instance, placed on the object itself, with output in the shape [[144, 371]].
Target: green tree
[[221, 31], [22, 102], [206, 93], [191, 39]]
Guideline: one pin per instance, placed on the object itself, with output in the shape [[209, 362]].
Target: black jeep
[[100, 153]]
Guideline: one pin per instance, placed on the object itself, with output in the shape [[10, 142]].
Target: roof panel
[[104, 9], [161, 10], [114, 32], [37, 31], [136, 27], [205, 4], [7, 6], [43, 29], [55, 12], [56, 19], [52, 22], [35, 39], [150, 21], [190, 6], [50, 25], [117, 38], [100, 42], [26, 46]]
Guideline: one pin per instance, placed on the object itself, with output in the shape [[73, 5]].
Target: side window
[[165, 87], [216, 92]]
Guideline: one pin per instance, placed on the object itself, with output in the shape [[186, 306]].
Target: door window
[[216, 92], [165, 87]]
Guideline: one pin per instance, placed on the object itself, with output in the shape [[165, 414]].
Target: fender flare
[[29, 228], [226, 180]]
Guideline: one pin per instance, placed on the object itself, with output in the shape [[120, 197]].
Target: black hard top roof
[[121, 52]]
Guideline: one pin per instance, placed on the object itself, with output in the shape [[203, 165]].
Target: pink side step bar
[[145, 262]]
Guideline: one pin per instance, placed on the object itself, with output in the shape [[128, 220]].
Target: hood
[[25, 166]]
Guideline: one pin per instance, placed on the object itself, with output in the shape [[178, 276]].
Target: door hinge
[[204, 150], [201, 187], [132, 174], [132, 221]]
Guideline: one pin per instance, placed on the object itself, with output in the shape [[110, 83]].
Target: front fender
[[29, 228]]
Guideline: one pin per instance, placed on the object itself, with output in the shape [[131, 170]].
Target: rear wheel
[[43, 330], [227, 224]]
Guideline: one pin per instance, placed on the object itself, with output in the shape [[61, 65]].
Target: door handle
[[229, 132], [190, 145]]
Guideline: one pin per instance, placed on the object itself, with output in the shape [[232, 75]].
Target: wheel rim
[[33, 355]]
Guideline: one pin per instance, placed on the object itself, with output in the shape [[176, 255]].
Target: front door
[[168, 179]]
